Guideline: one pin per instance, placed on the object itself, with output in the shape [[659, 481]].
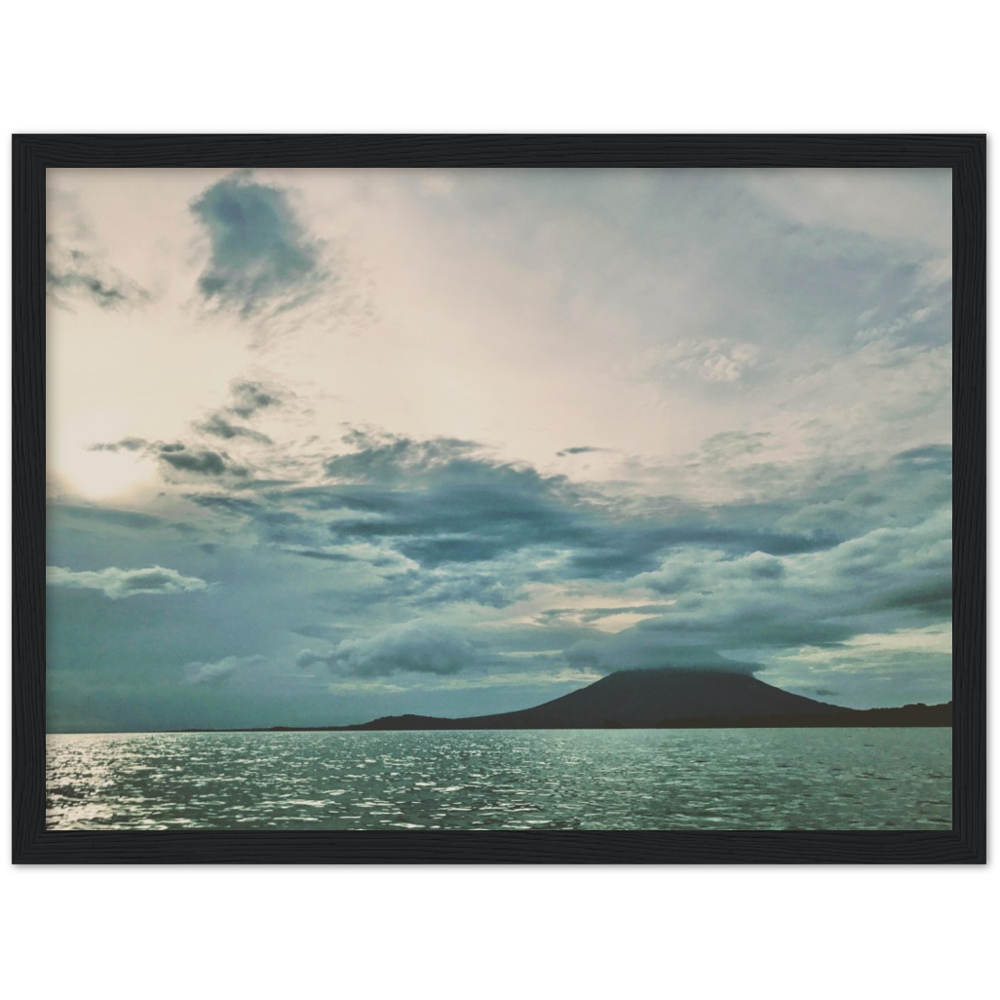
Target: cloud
[[217, 425], [495, 590], [178, 456], [440, 527], [885, 203], [109, 515], [871, 669], [77, 273], [636, 650], [730, 446], [414, 647], [248, 398], [239, 506], [381, 457], [584, 450], [453, 584], [121, 583], [936, 455], [444, 504], [125, 444], [455, 509], [261, 255], [322, 555], [200, 461], [883, 580], [713, 360], [218, 673]]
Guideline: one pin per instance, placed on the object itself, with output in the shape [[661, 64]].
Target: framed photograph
[[499, 499]]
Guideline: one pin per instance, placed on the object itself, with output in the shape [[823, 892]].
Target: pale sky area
[[325, 445]]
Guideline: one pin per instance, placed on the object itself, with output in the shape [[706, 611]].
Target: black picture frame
[[965, 155]]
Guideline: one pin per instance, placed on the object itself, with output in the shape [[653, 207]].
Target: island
[[669, 698]]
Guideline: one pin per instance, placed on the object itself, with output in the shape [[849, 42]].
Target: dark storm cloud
[[471, 512], [442, 505], [261, 255], [460, 507], [413, 647], [75, 273], [440, 523]]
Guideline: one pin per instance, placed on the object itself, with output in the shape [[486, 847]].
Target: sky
[[325, 445]]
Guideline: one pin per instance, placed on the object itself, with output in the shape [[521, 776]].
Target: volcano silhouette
[[640, 699]]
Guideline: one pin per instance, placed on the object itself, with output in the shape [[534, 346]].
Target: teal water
[[718, 779]]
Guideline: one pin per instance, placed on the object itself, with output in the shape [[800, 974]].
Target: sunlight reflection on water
[[736, 779]]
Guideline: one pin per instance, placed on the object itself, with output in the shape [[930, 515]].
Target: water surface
[[719, 779]]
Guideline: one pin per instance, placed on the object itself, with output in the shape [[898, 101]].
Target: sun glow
[[96, 474]]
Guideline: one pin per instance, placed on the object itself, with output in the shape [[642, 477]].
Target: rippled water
[[735, 779]]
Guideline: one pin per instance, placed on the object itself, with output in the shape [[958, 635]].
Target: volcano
[[640, 699]]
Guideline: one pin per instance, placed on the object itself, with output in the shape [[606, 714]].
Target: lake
[[688, 779]]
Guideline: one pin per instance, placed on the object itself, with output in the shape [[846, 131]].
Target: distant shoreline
[[907, 717]]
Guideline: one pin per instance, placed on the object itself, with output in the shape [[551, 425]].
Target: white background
[[460, 938], [521, 61]]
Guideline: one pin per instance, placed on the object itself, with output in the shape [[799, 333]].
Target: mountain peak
[[637, 699]]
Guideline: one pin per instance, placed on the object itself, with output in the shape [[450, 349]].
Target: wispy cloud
[[713, 360], [249, 397], [579, 450], [216, 425], [121, 583], [175, 455], [74, 273], [219, 672]]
